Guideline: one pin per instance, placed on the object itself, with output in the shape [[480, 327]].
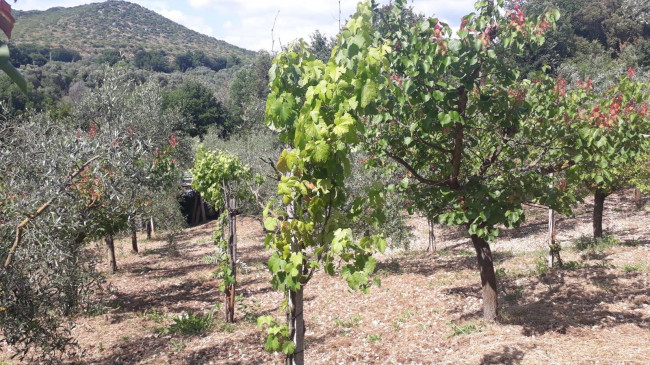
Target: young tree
[[222, 181], [476, 138], [317, 108], [615, 123]]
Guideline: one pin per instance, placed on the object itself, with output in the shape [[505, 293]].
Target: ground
[[426, 311]]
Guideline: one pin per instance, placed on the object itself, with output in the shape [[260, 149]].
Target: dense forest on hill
[[452, 189]]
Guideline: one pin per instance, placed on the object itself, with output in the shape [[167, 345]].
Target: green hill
[[121, 25]]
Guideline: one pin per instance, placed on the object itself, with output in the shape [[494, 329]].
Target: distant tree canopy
[[110, 56], [30, 54], [188, 60], [605, 27], [199, 107], [152, 61]]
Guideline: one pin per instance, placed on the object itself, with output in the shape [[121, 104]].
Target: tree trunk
[[134, 236], [553, 246], [638, 198], [296, 327], [432, 236], [599, 205], [232, 256], [488, 277], [295, 319], [149, 228], [110, 246]]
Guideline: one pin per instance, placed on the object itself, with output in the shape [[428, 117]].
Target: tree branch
[[415, 174]]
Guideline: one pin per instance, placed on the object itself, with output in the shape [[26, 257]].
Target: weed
[[177, 346], [572, 265], [115, 304], [541, 265], [374, 338], [142, 270], [463, 329], [603, 284], [516, 294], [353, 322], [93, 310], [633, 268], [501, 273], [153, 315], [188, 324], [101, 347], [445, 252], [465, 253], [596, 244], [250, 310], [126, 338], [396, 325]]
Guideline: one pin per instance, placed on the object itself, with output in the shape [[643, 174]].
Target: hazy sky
[[248, 23]]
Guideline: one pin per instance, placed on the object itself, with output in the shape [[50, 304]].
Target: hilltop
[[121, 25]]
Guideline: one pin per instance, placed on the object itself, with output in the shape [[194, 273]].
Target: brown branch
[[435, 147], [415, 174], [458, 139], [270, 163], [489, 162], [21, 227]]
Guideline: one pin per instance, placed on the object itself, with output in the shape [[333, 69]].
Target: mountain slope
[[113, 24]]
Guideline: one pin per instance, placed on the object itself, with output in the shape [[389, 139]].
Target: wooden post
[[432, 236], [638, 198], [110, 246]]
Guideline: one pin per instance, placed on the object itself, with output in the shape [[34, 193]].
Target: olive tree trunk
[[638, 198], [134, 235], [599, 205], [488, 277], [110, 246], [149, 228]]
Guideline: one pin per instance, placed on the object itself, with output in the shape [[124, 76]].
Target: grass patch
[[501, 273], [353, 322], [153, 315], [93, 310], [515, 294], [177, 346], [374, 338], [463, 329], [572, 265], [188, 324], [464, 253], [633, 268], [585, 243]]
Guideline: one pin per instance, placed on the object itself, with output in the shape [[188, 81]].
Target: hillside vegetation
[[121, 25]]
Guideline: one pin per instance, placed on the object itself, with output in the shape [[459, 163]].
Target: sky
[[248, 23]]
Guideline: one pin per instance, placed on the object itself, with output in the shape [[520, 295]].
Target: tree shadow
[[567, 302], [426, 263], [506, 356]]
